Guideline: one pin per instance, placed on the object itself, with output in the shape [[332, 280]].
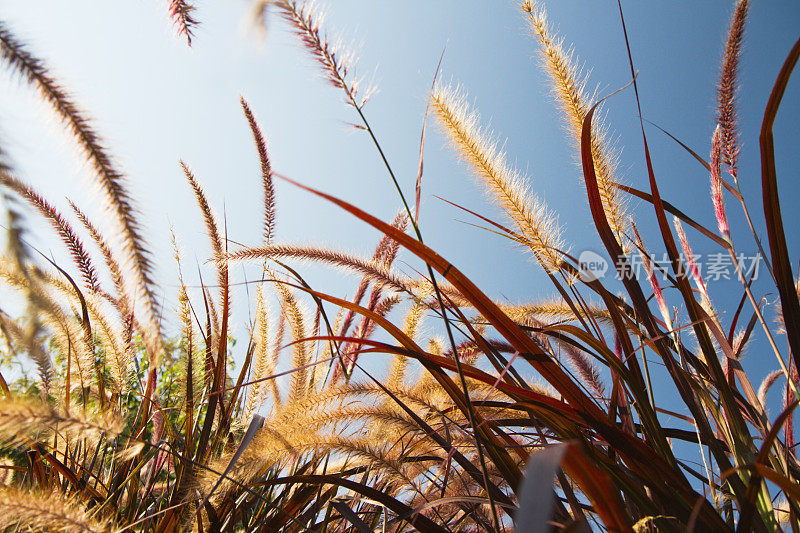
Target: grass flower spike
[[716, 185], [726, 89], [569, 87], [505, 184]]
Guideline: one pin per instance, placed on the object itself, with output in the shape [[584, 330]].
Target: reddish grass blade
[[791, 488], [782, 268], [671, 209], [598, 487], [482, 303]]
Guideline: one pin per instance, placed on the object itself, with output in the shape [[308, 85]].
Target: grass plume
[[727, 87], [47, 511], [182, 16], [506, 185], [569, 87], [74, 244], [266, 172]]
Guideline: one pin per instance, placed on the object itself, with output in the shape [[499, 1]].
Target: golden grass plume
[[506, 185], [47, 511], [569, 86]]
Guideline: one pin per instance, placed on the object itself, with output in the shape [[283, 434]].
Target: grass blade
[[781, 264]]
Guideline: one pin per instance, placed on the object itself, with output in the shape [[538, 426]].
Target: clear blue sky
[[157, 101]]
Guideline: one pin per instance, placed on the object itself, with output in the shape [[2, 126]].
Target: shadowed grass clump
[[490, 416]]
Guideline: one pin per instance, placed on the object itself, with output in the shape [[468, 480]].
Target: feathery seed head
[[122, 302], [65, 230], [506, 185], [716, 185], [337, 62], [569, 87], [33, 419], [181, 13], [726, 89], [47, 511], [768, 382], [266, 172], [263, 364], [688, 256]]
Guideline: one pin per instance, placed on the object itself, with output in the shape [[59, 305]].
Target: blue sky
[[157, 101]]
